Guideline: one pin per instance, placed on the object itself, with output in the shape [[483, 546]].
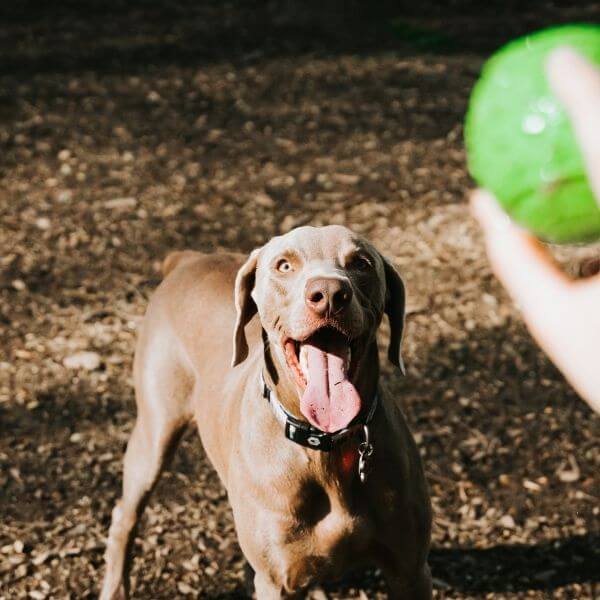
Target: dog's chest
[[325, 533]]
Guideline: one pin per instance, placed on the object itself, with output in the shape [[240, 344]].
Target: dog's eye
[[284, 266], [360, 263]]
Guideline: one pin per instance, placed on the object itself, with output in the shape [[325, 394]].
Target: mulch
[[127, 131]]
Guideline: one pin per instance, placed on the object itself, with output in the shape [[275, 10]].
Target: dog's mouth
[[322, 366]]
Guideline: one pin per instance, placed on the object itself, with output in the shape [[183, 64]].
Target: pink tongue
[[329, 401]]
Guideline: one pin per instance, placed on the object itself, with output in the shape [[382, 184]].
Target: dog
[[322, 473]]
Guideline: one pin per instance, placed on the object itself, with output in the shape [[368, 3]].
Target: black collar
[[305, 434]]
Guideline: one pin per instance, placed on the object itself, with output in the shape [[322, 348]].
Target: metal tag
[[365, 451]]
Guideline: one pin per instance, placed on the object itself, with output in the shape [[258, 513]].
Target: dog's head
[[320, 294]]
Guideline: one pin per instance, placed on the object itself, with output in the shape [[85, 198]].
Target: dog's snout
[[327, 296]]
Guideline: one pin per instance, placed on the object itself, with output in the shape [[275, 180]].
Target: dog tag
[[365, 451]]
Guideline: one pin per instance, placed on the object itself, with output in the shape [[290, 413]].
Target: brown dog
[[346, 488]]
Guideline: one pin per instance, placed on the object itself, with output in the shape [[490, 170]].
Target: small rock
[[490, 300], [184, 588], [41, 558], [504, 479], [202, 210], [346, 179], [64, 196], [289, 222], [153, 97], [569, 475], [43, 223], [507, 522], [531, 485], [264, 200], [89, 361], [127, 202]]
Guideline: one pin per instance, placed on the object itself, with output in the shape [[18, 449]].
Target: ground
[[128, 130]]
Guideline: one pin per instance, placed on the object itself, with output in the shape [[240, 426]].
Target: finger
[[576, 82], [520, 261]]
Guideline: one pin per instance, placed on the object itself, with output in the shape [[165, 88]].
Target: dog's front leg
[[148, 448], [266, 589], [403, 588]]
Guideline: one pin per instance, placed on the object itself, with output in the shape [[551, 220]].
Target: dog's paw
[[118, 594]]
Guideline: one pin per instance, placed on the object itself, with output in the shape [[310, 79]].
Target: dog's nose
[[327, 296]]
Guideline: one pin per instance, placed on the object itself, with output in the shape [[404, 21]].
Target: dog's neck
[[366, 381]]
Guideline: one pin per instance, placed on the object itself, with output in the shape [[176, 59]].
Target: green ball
[[520, 143]]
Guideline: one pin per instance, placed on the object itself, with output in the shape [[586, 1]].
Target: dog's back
[[195, 299], [195, 305]]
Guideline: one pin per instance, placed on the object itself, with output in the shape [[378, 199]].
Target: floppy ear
[[244, 306], [394, 308]]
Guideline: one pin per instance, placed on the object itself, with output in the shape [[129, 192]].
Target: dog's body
[[301, 515]]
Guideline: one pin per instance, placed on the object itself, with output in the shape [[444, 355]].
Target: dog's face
[[320, 294]]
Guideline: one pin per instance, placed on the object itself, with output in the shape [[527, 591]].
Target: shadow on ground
[[129, 37], [514, 567], [500, 569]]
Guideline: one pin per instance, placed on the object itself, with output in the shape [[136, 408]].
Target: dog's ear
[[395, 300], [244, 306]]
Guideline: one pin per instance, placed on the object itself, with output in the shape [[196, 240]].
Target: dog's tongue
[[329, 401]]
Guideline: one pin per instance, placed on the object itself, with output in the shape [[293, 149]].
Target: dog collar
[[304, 434]]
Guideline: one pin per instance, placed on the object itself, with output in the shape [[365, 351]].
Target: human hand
[[562, 315]]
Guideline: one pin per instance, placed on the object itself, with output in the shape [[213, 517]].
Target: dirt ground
[[131, 129]]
